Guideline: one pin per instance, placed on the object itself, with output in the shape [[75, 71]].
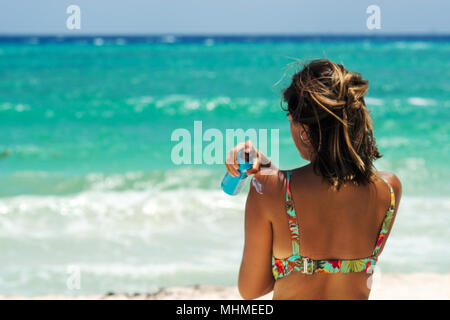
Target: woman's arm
[[397, 186], [255, 275]]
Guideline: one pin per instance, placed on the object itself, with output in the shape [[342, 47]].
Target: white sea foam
[[393, 142], [5, 106], [181, 103], [121, 41], [416, 45], [213, 103], [167, 236], [209, 42], [373, 101], [98, 41], [417, 101], [20, 107], [169, 39], [156, 209]]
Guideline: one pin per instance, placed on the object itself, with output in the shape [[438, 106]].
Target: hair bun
[[356, 89]]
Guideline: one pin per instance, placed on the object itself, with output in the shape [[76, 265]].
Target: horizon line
[[244, 34]]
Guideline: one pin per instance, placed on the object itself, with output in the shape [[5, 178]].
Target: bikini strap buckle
[[308, 266]]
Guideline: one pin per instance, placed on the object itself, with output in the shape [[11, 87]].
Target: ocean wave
[[186, 104], [169, 39], [394, 142], [140, 213], [41, 182], [98, 41], [417, 101], [44, 217], [103, 277], [374, 101], [411, 45], [209, 42], [121, 240], [161, 238], [15, 107]]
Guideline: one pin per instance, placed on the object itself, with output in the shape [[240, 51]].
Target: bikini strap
[[290, 210], [387, 220]]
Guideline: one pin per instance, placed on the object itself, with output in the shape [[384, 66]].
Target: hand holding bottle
[[257, 158], [243, 160]]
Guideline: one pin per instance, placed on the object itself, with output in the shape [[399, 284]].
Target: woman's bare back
[[340, 224]]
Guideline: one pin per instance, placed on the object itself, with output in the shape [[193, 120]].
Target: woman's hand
[[258, 159]]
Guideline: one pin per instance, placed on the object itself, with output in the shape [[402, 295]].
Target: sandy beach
[[416, 286]]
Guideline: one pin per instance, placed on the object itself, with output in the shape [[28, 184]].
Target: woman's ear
[[304, 134]]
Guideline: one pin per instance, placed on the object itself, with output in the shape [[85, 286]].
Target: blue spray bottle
[[233, 185]]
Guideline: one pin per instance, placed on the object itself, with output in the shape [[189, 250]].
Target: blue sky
[[223, 17]]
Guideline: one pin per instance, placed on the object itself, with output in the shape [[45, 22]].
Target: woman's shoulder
[[269, 183], [393, 180], [272, 184]]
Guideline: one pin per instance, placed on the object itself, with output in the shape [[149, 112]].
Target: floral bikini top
[[283, 267]]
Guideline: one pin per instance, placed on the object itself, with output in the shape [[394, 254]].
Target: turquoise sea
[[86, 177]]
